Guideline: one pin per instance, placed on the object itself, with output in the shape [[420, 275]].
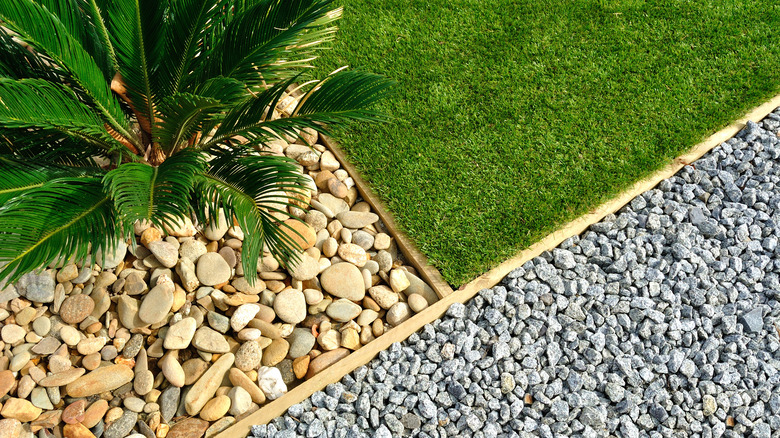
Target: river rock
[[10, 428], [290, 306], [127, 308], [417, 286], [113, 256], [181, 227], [301, 342], [38, 288], [343, 310], [383, 296], [20, 409], [192, 249], [325, 360], [242, 315], [12, 333], [269, 380], [75, 308], [210, 341], [354, 254], [122, 427], [205, 388], [356, 219], [333, 204], [275, 352], [180, 334], [101, 380], [156, 304], [397, 314], [344, 280], [169, 402], [217, 226], [212, 269], [301, 233], [398, 280], [305, 268], [188, 428], [417, 303], [240, 400], [172, 369], [239, 378], [215, 408], [165, 252], [248, 356]]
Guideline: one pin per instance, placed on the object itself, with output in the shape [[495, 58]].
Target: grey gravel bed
[[658, 321]]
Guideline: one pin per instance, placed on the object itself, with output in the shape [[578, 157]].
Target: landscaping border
[[489, 279]]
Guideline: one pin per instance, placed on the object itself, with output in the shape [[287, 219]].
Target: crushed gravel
[[659, 321]]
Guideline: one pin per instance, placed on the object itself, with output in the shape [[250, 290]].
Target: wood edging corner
[[485, 281]]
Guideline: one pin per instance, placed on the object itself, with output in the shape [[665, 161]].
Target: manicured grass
[[513, 117]]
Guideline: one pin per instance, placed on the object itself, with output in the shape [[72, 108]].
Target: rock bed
[[168, 338], [660, 321]]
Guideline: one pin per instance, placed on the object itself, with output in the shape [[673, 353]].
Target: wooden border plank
[[420, 262], [362, 356]]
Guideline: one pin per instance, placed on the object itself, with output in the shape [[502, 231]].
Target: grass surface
[[513, 117]]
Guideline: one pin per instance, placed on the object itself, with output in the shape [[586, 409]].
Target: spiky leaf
[[67, 217]]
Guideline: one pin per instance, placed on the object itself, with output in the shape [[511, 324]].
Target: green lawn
[[513, 117]]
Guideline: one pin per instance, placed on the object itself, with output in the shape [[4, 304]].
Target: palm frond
[[158, 194], [137, 31], [20, 176], [181, 116], [49, 146], [190, 21], [250, 188], [67, 217], [38, 104], [41, 29], [16, 62], [269, 40], [75, 15], [341, 97]]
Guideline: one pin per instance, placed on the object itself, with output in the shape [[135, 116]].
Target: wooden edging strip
[[489, 279], [428, 273]]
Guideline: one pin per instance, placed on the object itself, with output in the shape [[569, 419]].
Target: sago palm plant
[[178, 96]]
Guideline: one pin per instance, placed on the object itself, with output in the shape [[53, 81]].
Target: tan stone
[[301, 233], [239, 378], [325, 360], [101, 380], [20, 409], [215, 408], [77, 430], [205, 388], [301, 366]]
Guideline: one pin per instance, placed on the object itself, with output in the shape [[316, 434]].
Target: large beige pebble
[[205, 388], [343, 280]]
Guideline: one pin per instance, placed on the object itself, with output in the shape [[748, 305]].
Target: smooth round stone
[[397, 314], [165, 252], [417, 303], [398, 280], [19, 360], [172, 369], [218, 321], [242, 285], [127, 307], [384, 260], [212, 269], [229, 255], [290, 306], [304, 269], [417, 286], [276, 352], [74, 412], [135, 284], [75, 308], [12, 333], [343, 280], [101, 380], [192, 249], [217, 227], [301, 342], [243, 314], [42, 326], [113, 257], [91, 361], [134, 404], [210, 341], [332, 203], [372, 267], [367, 316], [325, 360], [193, 370], [343, 310], [354, 254], [180, 334], [240, 400], [248, 356], [363, 239], [329, 247], [312, 296], [301, 233], [38, 288], [24, 316], [89, 346], [70, 335], [356, 219], [384, 296], [156, 304], [382, 241]]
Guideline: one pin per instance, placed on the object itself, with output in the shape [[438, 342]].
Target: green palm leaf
[[271, 39], [342, 97], [137, 33], [46, 33], [67, 217], [16, 62], [159, 194], [181, 116], [20, 177], [250, 188], [40, 105]]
